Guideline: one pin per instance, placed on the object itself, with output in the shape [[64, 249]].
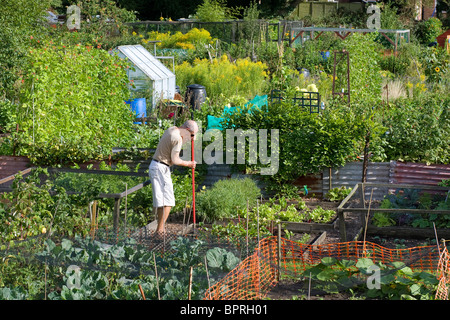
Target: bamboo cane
[[190, 284], [366, 222], [142, 292], [156, 275]]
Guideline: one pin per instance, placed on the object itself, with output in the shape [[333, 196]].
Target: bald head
[[191, 126]]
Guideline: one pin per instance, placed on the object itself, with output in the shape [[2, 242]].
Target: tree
[[215, 10], [153, 10]]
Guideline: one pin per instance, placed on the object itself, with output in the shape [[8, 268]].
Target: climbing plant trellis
[[307, 100], [394, 36]]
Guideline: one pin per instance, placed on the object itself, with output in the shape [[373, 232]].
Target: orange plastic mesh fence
[[256, 275], [444, 276]]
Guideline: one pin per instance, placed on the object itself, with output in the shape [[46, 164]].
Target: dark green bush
[[395, 64], [427, 30], [308, 143], [418, 130]]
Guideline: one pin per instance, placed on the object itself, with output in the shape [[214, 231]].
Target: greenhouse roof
[[147, 63]]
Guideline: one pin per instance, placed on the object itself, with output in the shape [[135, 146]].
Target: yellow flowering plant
[[437, 63], [178, 40], [220, 76]]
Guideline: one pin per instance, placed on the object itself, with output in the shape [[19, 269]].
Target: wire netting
[[444, 275], [162, 266], [111, 263]]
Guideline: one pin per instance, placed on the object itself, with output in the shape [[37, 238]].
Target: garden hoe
[[193, 181]]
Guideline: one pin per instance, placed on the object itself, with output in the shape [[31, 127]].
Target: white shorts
[[162, 186]]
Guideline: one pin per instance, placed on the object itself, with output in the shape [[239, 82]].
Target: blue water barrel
[[325, 55], [138, 107]]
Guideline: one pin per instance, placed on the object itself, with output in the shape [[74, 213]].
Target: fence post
[[279, 251]]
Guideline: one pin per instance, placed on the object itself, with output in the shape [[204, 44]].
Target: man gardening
[[167, 154]]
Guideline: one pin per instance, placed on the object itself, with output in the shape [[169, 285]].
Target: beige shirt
[[169, 142]]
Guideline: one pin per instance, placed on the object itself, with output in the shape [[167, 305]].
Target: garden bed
[[311, 204], [402, 202]]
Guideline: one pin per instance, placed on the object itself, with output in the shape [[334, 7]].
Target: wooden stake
[[156, 275], [190, 284], [207, 273], [367, 221], [142, 292], [309, 287], [184, 211], [279, 250], [246, 236], [437, 240]]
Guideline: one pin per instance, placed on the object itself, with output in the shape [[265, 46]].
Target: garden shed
[[152, 79]]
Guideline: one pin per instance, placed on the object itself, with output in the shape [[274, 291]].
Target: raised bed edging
[[10, 165], [408, 232], [310, 226], [351, 173]]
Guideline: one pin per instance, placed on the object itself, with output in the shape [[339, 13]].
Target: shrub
[[226, 197], [215, 10], [365, 77], [19, 20], [418, 130], [437, 63], [33, 208], [427, 30], [397, 65], [308, 143], [189, 40]]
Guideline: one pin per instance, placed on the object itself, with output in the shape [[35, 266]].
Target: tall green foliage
[[103, 22], [427, 30], [72, 104], [419, 130], [224, 78], [19, 19], [365, 77], [215, 10]]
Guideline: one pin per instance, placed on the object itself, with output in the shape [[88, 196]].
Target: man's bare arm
[[176, 160]]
